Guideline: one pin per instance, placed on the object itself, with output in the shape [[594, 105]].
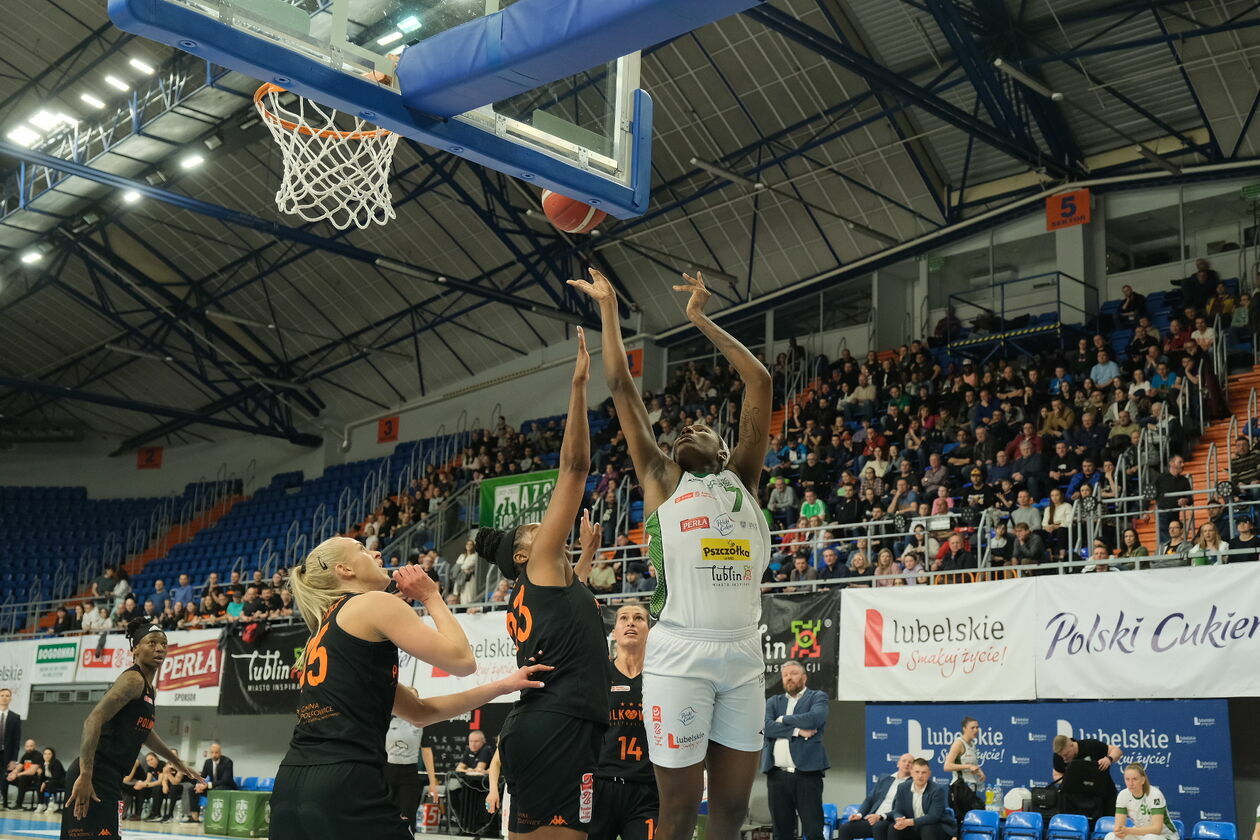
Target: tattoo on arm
[[122, 692]]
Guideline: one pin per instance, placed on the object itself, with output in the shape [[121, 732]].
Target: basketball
[[569, 214]]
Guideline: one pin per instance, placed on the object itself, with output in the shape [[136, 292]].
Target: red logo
[[876, 656], [107, 658], [698, 494], [191, 666], [694, 523], [586, 798]]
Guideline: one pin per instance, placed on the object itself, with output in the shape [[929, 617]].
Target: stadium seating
[[1025, 825], [1212, 830], [831, 820], [849, 810], [980, 825], [1067, 827]]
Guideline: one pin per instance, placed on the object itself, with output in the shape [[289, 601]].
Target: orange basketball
[[569, 214]]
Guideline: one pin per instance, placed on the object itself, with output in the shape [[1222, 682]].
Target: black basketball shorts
[[625, 809], [348, 801], [549, 764]]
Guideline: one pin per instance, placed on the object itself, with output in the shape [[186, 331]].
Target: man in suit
[[919, 809], [878, 804], [216, 774], [793, 758], [10, 743]]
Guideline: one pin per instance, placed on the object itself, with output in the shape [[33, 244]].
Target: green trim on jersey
[[656, 556]]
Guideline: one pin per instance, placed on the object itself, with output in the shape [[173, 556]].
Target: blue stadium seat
[[831, 821], [1068, 827], [979, 825], [850, 810], [1181, 829], [1025, 825], [1105, 826], [251, 783], [1212, 830]]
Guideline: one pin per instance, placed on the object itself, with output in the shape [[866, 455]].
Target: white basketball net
[[331, 172]]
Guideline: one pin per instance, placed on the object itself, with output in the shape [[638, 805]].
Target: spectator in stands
[[1132, 307], [287, 607], [97, 621], [27, 772], [1176, 545], [102, 588], [603, 578], [189, 619], [235, 607], [1104, 370], [1245, 539], [183, 593], [919, 809], [1028, 469], [211, 585], [1208, 547], [1028, 549], [801, 569], [216, 774], [1166, 484], [878, 804], [636, 579], [53, 783], [160, 597], [956, 558], [65, 622], [1088, 476], [860, 571], [782, 503], [252, 607], [1055, 521]]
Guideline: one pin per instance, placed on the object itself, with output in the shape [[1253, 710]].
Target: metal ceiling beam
[[195, 417], [1150, 41], [68, 58], [298, 235], [881, 77]]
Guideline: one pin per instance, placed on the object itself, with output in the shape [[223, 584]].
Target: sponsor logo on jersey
[[724, 525], [687, 716], [685, 742], [657, 726], [586, 797], [621, 688], [558, 820], [725, 575], [694, 524], [725, 551], [697, 494]]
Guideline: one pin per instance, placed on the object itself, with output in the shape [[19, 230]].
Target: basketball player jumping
[[703, 675], [549, 744], [331, 784]]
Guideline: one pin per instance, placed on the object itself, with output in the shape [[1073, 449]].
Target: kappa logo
[[687, 716], [558, 820], [696, 523], [724, 525]]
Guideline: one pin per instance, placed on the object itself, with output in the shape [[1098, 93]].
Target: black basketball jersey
[[122, 737], [563, 622], [624, 754], [347, 697]]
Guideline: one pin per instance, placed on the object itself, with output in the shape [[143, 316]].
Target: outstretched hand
[[582, 370], [523, 678], [700, 294], [591, 532], [599, 289]]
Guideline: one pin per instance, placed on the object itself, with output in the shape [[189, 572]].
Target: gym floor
[[42, 825]]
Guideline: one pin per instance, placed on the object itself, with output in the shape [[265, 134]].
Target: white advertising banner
[[190, 673], [17, 662], [102, 662], [960, 642], [1164, 633], [55, 661], [496, 658]]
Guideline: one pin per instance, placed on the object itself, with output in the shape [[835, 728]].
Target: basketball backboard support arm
[[617, 182]]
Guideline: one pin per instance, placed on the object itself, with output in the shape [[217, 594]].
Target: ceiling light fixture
[[191, 161], [386, 40], [31, 257], [24, 136], [130, 197], [44, 120], [139, 354], [1027, 81], [720, 172], [117, 83], [143, 67], [89, 99], [409, 24]]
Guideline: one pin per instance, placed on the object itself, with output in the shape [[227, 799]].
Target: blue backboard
[[587, 136]]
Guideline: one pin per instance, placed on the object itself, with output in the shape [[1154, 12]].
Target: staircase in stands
[[1240, 386], [176, 534]]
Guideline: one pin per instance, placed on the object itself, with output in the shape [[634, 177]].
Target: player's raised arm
[[754, 417], [656, 473], [549, 564]]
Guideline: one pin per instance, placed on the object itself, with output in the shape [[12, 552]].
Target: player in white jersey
[[1143, 803], [703, 672]]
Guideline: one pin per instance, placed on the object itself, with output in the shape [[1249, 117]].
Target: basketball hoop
[[329, 173]]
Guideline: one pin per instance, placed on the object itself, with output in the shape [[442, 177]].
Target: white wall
[[88, 464]]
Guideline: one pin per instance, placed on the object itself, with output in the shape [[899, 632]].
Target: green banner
[[218, 804], [251, 814], [504, 499]]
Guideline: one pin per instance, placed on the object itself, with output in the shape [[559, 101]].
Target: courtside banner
[[1189, 632], [190, 673], [972, 642], [503, 499], [1184, 744], [801, 627], [257, 679], [496, 659], [17, 662]]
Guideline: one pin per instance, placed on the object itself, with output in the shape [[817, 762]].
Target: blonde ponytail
[[316, 586]]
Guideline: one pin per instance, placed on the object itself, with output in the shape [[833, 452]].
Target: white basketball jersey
[[709, 545]]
